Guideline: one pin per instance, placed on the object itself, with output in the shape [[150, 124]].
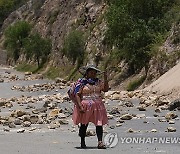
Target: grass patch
[[136, 83], [27, 68], [52, 73]]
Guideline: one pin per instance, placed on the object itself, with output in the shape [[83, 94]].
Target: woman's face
[[91, 73]]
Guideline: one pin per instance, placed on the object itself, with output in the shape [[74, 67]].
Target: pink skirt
[[95, 112]]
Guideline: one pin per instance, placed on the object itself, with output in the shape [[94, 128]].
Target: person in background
[[89, 106]]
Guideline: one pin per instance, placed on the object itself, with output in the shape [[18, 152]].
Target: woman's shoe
[[101, 145], [83, 145]]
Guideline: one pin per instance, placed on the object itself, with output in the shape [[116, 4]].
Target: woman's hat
[[84, 69]]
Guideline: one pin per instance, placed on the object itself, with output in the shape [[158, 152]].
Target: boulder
[[171, 115], [171, 129], [126, 117]]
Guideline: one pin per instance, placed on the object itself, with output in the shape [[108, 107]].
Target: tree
[[74, 46], [14, 37], [133, 26], [37, 47]]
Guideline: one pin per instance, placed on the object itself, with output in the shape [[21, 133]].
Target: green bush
[[74, 46], [14, 37], [37, 47], [133, 27], [135, 84]]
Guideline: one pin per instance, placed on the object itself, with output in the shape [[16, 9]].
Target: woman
[[89, 106]]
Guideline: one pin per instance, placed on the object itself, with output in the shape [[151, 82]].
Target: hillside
[[144, 55]]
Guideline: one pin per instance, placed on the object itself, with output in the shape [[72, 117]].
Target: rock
[[155, 115], [1, 80], [110, 116], [34, 119], [115, 96], [27, 73], [22, 130], [126, 117], [130, 130], [128, 104], [6, 129], [90, 133], [52, 106], [171, 115], [9, 105], [110, 94], [130, 94], [171, 122], [153, 130], [174, 104], [118, 125], [39, 76], [60, 80], [26, 118], [73, 130], [18, 113], [161, 102], [120, 121], [8, 72], [163, 107], [30, 106], [112, 126], [63, 122], [32, 129], [26, 124], [13, 77], [142, 108], [12, 125], [140, 116], [171, 129], [18, 122], [54, 112], [40, 121], [61, 115], [162, 120], [146, 122], [2, 103], [40, 110], [54, 125], [158, 110], [114, 110]]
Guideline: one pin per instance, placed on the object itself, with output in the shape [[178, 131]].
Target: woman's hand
[[81, 109], [78, 97]]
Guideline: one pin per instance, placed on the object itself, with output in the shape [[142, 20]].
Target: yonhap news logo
[[112, 139]]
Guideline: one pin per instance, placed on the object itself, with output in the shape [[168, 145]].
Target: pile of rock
[[49, 114], [40, 87]]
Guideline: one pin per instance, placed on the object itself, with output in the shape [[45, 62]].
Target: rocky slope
[[56, 18]]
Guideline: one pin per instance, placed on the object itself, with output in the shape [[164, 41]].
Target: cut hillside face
[[168, 84]]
